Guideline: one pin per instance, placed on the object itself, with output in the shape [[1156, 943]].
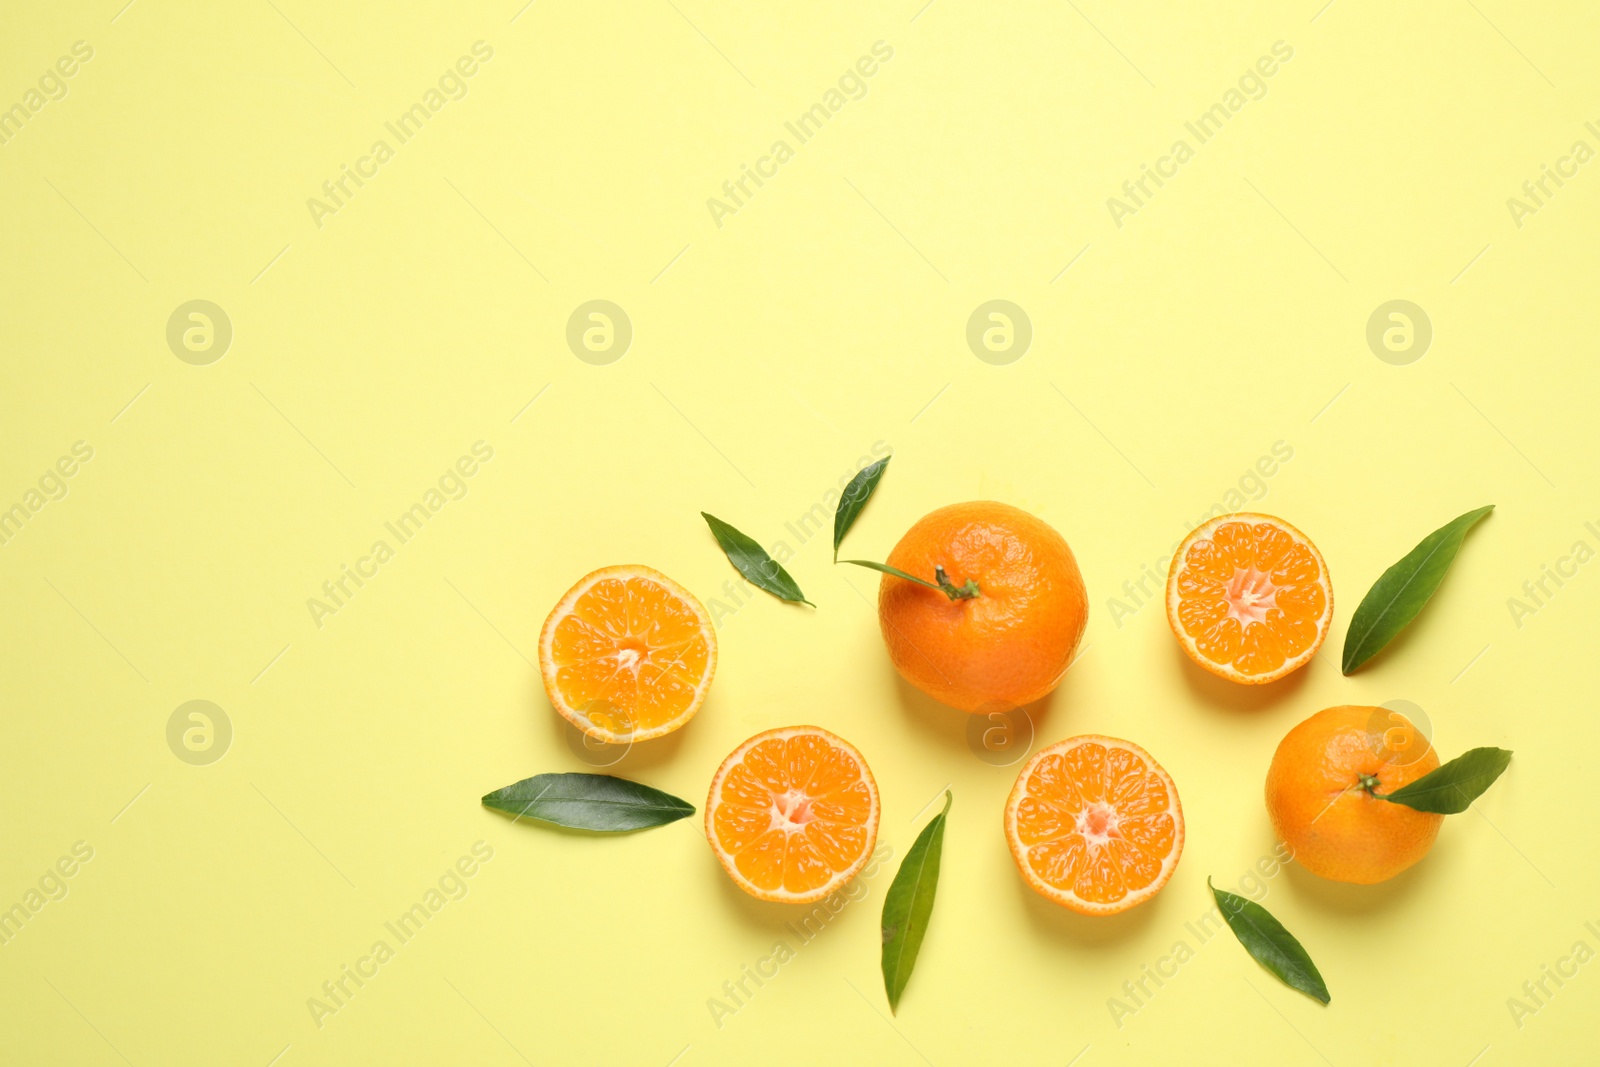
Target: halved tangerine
[[1094, 824], [1249, 597], [793, 814], [627, 654]]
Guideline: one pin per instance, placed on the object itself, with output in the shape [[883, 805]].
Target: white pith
[[1250, 595], [791, 811], [1084, 824]]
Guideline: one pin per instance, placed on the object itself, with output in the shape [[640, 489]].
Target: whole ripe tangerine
[[1320, 793], [1009, 633]]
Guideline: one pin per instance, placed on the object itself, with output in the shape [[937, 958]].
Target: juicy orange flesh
[[1096, 822], [793, 813], [1250, 596], [629, 654]]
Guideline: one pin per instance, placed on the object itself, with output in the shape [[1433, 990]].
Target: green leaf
[[600, 802], [1272, 946], [1397, 596], [856, 495], [752, 561], [1453, 787], [909, 905]]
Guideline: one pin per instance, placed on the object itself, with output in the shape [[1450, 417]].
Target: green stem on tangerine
[[944, 585], [1369, 782], [963, 593]]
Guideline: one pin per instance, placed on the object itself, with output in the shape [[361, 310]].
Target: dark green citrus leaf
[[1402, 590], [856, 495], [909, 905], [600, 802], [1272, 946], [1453, 787], [752, 561]]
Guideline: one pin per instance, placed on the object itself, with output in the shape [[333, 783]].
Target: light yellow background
[[769, 354]]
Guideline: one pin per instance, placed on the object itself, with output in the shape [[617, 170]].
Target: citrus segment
[[627, 654], [1248, 597], [793, 814], [1094, 824]]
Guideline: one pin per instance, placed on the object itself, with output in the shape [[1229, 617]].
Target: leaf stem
[[944, 585]]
